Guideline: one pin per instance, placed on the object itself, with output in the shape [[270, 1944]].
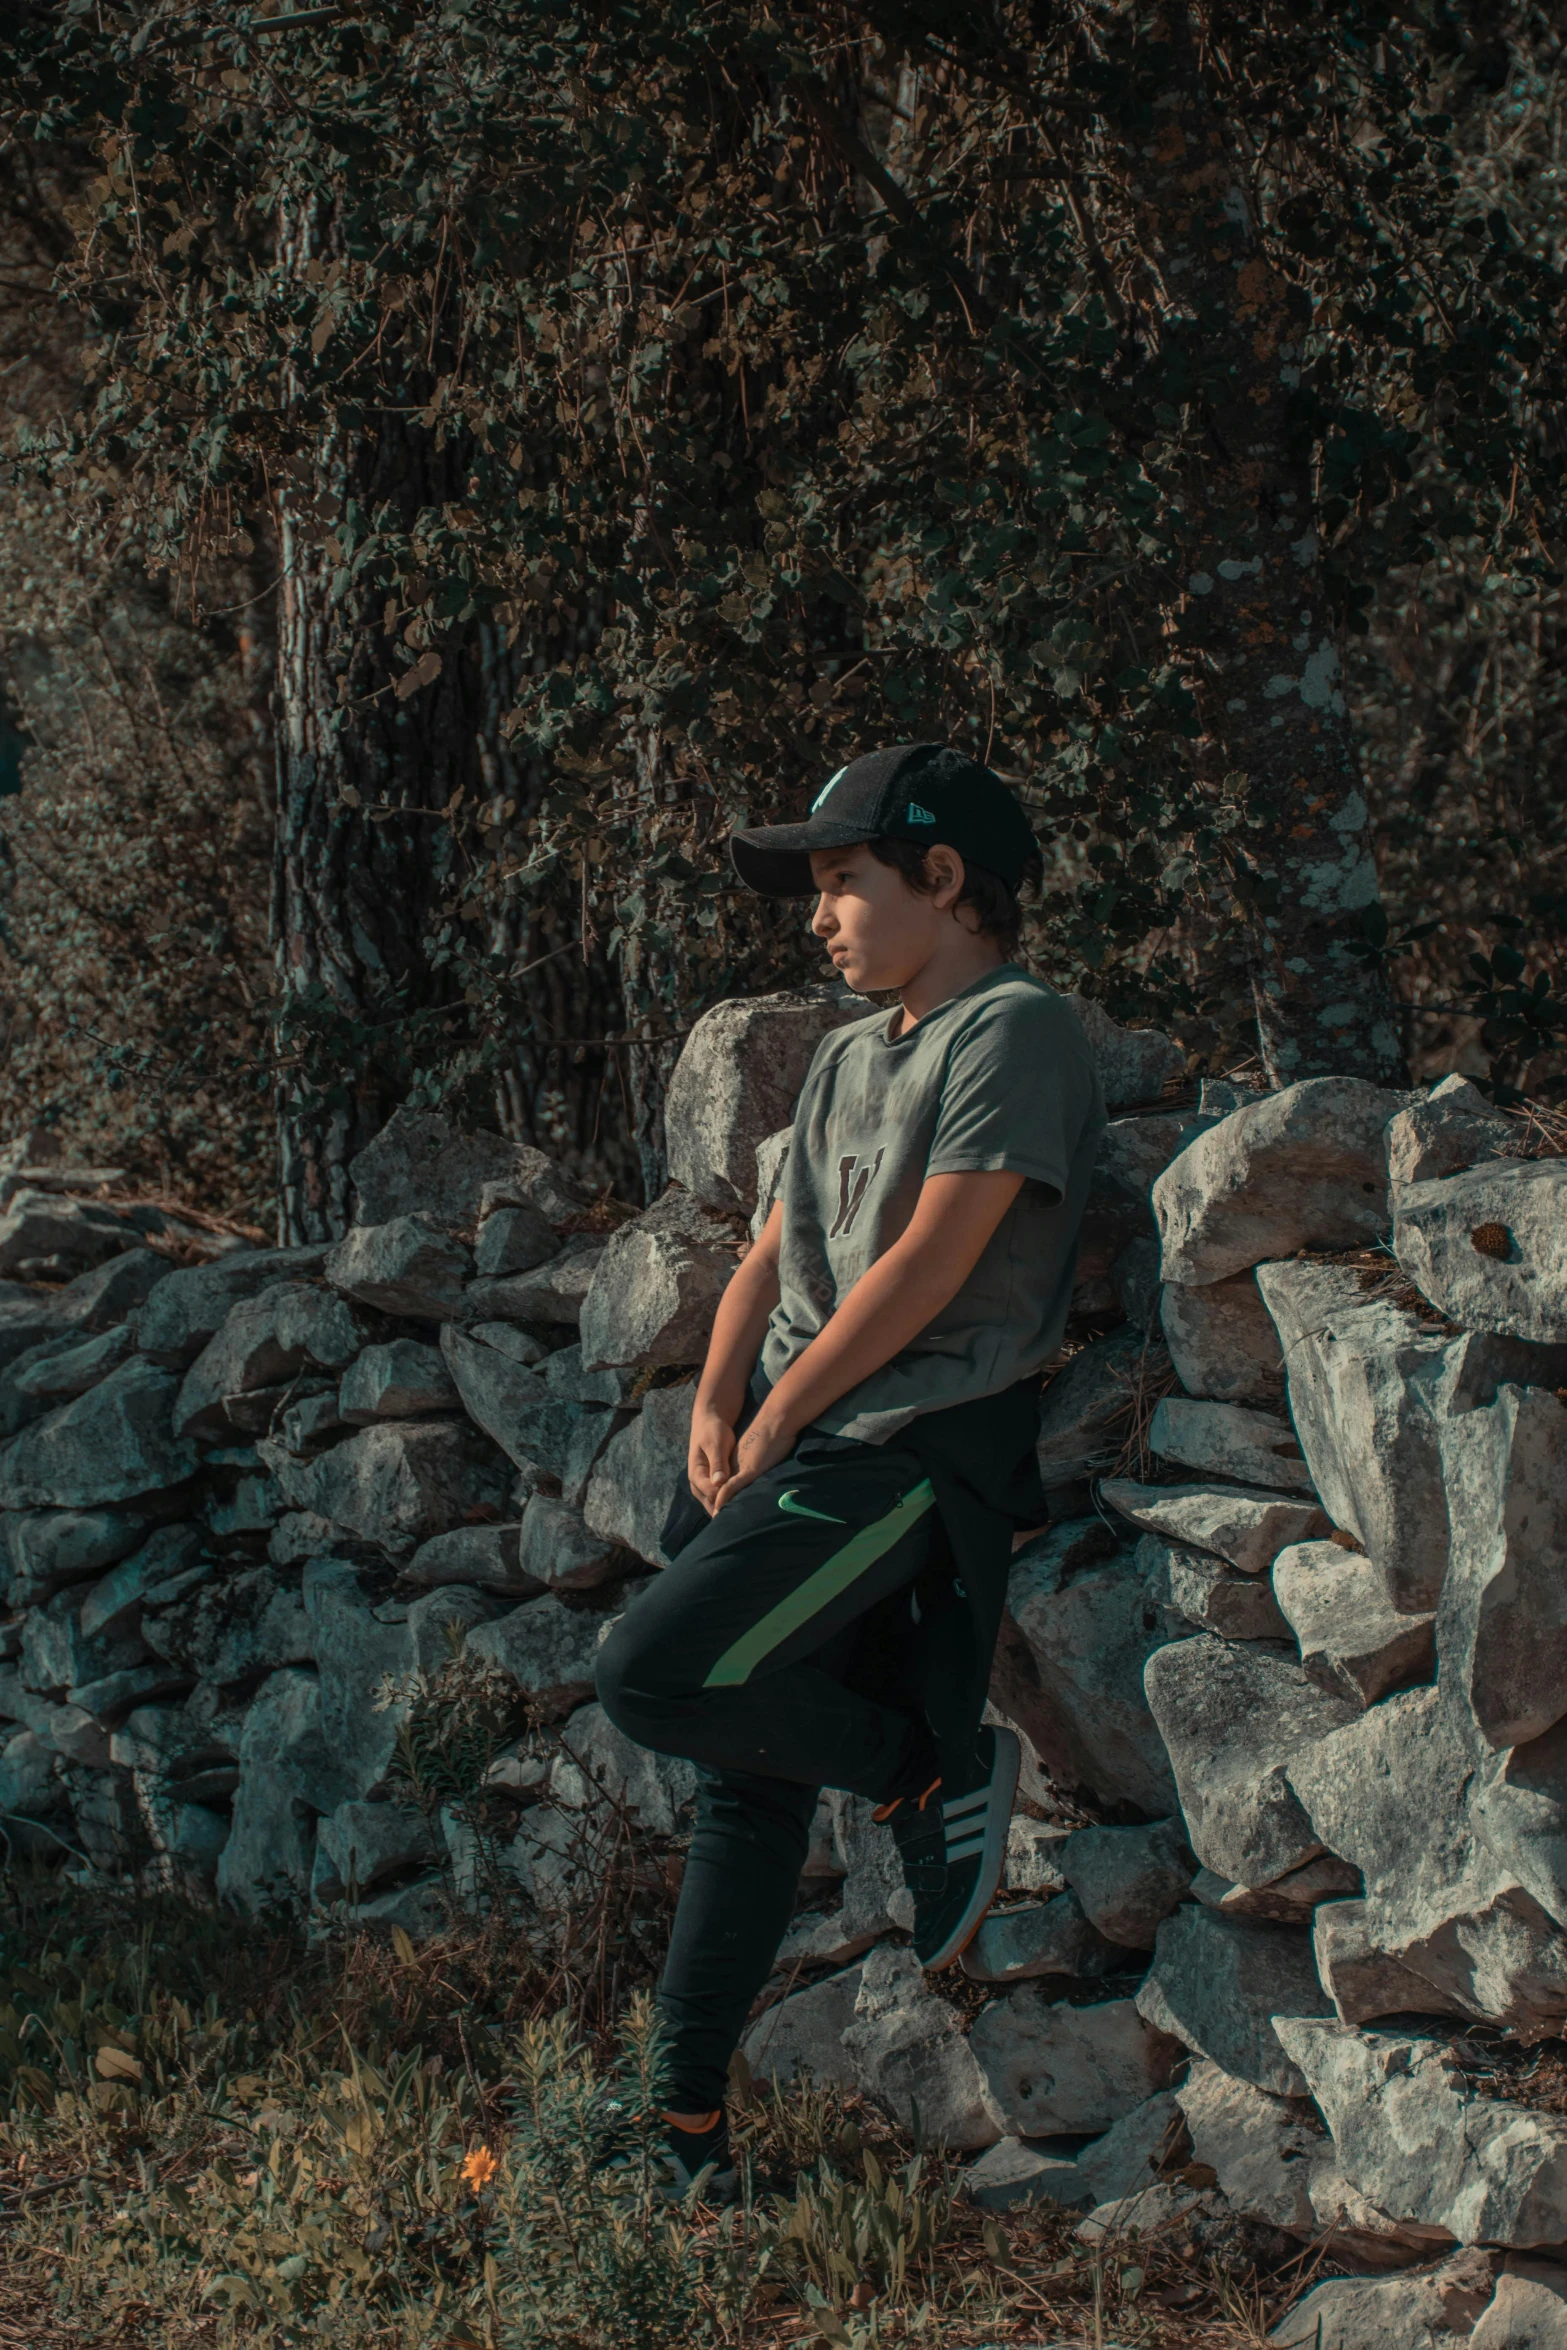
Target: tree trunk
[[1254, 629], [360, 859]]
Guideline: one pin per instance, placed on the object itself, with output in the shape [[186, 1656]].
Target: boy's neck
[[955, 965]]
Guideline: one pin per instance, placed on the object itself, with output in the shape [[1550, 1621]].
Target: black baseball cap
[[924, 792]]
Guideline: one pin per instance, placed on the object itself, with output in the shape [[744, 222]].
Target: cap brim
[[775, 859]]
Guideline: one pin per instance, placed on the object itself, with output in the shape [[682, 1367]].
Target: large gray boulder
[[1416, 2140], [1222, 1341], [1352, 1638], [513, 1240], [1245, 1524], [396, 1483], [559, 1550], [534, 1427], [1228, 1440], [1208, 1593], [1489, 1247], [485, 1556], [639, 1472], [880, 2028], [398, 1381], [1069, 1665], [1043, 1938], [420, 1164], [114, 1443], [408, 1266], [735, 1084], [43, 1550], [266, 1340], [1371, 1385], [39, 1228], [1445, 1924], [547, 1649], [1128, 1879], [189, 1307], [1217, 1983], [1425, 2312], [1504, 1602], [288, 1774], [1304, 1168], [1233, 1719], [1134, 1064], [1049, 2066], [551, 1296], [361, 1647], [1089, 1405], [655, 1289], [1453, 1128], [230, 1630]]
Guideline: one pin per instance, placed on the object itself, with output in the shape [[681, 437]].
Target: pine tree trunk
[[1255, 631]]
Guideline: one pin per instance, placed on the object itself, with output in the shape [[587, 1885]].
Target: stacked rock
[[1287, 1887]]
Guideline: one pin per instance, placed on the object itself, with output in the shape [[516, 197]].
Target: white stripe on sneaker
[[967, 1848], [962, 1803]]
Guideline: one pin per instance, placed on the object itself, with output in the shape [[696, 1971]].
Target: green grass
[[213, 2136]]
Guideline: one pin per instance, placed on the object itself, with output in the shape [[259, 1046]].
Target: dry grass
[[216, 2138]]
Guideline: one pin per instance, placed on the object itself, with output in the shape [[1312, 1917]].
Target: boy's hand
[[710, 1457], [765, 1443]]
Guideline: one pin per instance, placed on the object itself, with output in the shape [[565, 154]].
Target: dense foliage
[[693, 395]]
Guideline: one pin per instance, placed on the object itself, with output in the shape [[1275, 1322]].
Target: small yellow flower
[[479, 2168]]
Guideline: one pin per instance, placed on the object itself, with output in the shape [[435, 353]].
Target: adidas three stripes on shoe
[[953, 1844]]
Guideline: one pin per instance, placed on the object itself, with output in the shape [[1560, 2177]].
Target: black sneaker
[[953, 1844], [682, 2159]]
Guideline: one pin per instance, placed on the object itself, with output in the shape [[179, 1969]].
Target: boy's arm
[[742, 1318], [890, 1304]]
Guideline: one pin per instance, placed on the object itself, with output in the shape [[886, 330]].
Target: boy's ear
[[944, 871]]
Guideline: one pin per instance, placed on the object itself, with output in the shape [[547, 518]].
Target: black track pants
[[770, 1653]]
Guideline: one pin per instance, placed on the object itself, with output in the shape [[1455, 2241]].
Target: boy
[[862, 1435]]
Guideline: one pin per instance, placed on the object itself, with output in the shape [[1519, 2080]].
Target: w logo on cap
[[915, 814]]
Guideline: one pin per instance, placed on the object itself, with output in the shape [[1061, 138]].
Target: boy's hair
[[995, 902]]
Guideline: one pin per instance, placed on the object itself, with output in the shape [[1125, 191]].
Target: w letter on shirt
[[852, 1188]]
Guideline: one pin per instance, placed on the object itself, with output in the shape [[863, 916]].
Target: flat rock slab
[[1049, 2066], [485, 1557], [1290, 1900], [1234, 1717], [551, 1295], [735, 1084], [1489, 1247], [1303, 1168], [513, 1240], [1217, 1983], [1222, 1340], [1229, 1440], [189, 1307], [1128, 1879], [1248, 1525], [1069, 1665], [1013, 2174], [657, 1285], [1414, 2138], [1352, 1639]]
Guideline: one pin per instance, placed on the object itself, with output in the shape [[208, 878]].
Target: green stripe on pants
[[832, 1576]]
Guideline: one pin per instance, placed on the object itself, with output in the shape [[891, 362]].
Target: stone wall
[[1287, 1887]]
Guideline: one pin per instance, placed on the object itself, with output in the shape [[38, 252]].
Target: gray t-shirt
[[999, 1077]]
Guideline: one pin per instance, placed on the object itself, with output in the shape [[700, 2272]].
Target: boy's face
[[879, 932]]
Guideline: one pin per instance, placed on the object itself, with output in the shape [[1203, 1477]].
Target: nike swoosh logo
[[797, 1509]]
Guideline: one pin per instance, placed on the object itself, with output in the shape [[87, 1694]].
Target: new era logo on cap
[[915, 814]]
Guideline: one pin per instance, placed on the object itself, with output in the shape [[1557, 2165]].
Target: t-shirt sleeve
[[1019, 1088]]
